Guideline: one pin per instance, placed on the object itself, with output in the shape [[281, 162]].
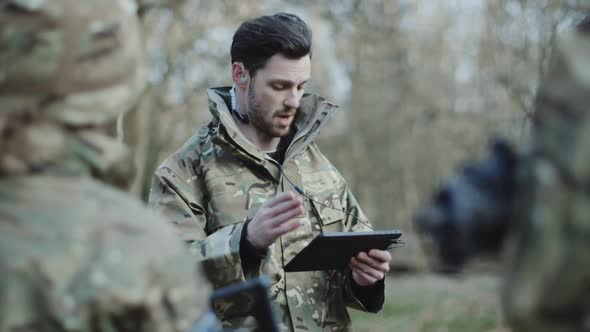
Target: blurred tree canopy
[[422, 85]]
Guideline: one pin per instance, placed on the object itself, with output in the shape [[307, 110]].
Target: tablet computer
[[332, 251]]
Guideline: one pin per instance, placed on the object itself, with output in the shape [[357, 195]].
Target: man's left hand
[[370, 267]]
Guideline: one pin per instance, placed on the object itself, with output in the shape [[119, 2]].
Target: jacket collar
[[313, 113]]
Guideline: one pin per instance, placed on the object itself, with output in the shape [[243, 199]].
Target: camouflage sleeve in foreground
[[548, 277], [175, 193], [76, 255]]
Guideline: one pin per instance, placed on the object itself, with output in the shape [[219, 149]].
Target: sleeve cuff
[[371, 297], [250, 256]]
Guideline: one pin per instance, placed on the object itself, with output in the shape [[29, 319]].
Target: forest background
[[422, 85]]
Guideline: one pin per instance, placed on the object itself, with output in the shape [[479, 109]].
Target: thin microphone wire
[[303, 193]]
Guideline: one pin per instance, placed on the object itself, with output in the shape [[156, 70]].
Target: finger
[[371, 262], [285, 228], [360, 266], [378, 272], [285, 206], [280, 197], [382, 255], [285, 216], [368, 280]]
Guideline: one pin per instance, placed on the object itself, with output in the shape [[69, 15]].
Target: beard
[[262, 119]]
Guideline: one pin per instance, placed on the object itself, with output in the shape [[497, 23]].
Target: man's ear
[[239, 75]]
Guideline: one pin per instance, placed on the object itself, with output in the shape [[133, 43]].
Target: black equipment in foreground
[[471, 214], [261, 308]]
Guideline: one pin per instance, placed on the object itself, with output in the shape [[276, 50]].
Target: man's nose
[[292, 100]]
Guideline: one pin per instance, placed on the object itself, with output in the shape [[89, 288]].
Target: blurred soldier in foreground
[[537, 203], [77, 254]]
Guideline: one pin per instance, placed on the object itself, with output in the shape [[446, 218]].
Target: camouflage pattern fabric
[[78, 60], [76, 254], [214, 182], [66, 65], [548, 276]]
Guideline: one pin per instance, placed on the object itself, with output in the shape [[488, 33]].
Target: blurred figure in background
[[230, 190], [76, 253], [537, 203]]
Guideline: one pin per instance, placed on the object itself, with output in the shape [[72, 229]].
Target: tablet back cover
[[332, 251]]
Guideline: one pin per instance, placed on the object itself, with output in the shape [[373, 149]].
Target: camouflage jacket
[[218, 179], [548, 276], [76, 255]]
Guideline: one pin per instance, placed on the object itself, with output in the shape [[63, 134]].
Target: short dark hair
[[257, 40]]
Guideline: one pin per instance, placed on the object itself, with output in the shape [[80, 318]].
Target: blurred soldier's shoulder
[[74, 251], [549, 246]]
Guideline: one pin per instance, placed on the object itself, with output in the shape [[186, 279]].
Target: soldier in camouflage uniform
[[77, 254], [548, 280], [230, 189], [536, 202]]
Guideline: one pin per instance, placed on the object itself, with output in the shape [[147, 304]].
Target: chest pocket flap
[[329, 210]]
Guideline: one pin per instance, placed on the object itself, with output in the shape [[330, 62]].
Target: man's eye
[[278, 86]]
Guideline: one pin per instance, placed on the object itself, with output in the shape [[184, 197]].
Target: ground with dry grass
[[433, 303]]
